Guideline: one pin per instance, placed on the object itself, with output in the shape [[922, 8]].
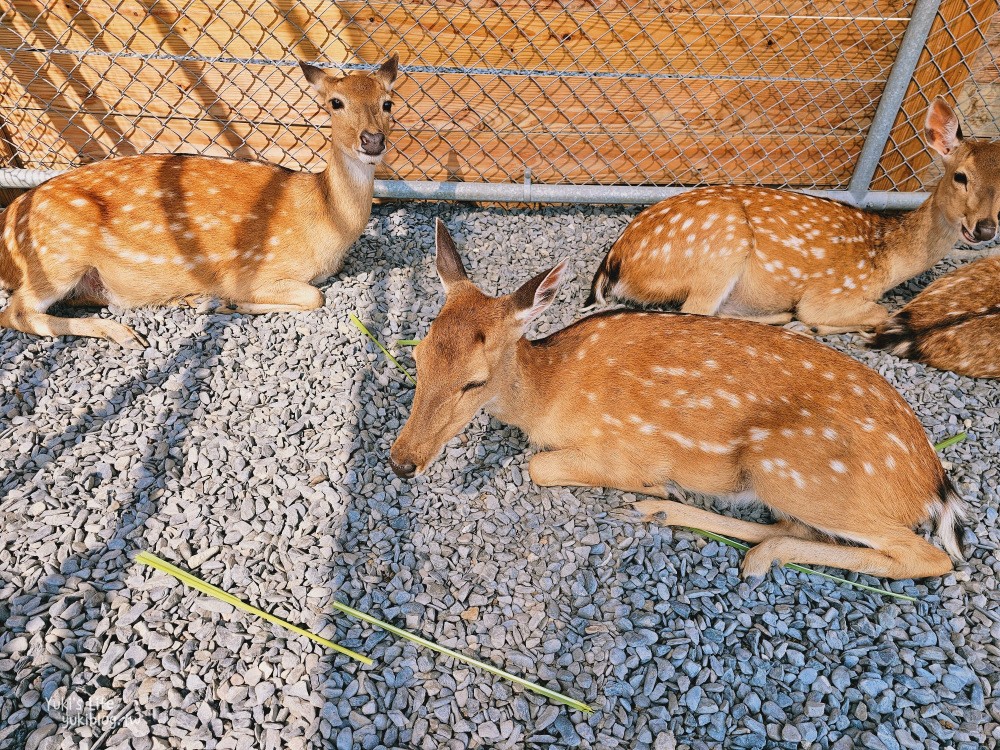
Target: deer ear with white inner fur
[[448, 261], [942, 129], [535, 296]]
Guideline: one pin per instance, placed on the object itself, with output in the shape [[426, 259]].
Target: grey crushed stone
[[254, 449]]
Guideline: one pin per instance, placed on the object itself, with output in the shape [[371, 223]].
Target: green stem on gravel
[[527, 684], [215, 592], [194, 582], [801, 568], [407, 342], [366, 332], [948, 442]]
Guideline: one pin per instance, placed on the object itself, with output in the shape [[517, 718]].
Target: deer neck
[[524, 393], [349, 185], [919, 239]]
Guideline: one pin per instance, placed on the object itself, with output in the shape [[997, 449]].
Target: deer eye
[[387, 106], [473, 385], [336, 103], [961, 178]]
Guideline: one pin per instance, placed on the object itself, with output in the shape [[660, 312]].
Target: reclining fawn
[[954, 324], [641, 401], [760, 254], [154, 230]]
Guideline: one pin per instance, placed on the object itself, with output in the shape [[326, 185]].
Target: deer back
[[714, 405], [953, 324], [147, 229]]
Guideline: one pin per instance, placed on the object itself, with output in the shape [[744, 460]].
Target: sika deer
[[760, 254], [641, 401], [954, 324], [154, 230]]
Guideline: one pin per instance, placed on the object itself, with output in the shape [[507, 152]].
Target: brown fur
[[954, 324], [152, 230], [641, 401], [763, 254]]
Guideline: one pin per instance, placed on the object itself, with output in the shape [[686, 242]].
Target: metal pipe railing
[[528, 192], [891, 100]]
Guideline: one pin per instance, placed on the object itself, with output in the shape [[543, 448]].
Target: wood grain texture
[[97, 85], [955, 39], [771, 92], [521, 36], [8, 158]]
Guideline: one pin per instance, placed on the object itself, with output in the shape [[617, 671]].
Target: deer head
[[360, 108], [969, 192], [464, 361]]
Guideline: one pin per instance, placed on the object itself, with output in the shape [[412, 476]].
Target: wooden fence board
[[544, 37], [954, 40], [97, 85], [698, 119], [430, 153]]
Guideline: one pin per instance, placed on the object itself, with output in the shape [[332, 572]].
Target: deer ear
[[315, 76], [535, 296], [388, 71], [942, 130], [448, 261]]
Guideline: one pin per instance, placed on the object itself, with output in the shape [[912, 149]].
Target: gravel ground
[[254, 451]]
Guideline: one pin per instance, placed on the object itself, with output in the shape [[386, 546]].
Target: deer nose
[[404, 470], [372, 144], [986, 229]]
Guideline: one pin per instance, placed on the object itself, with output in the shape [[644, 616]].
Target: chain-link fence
[[560, 92]]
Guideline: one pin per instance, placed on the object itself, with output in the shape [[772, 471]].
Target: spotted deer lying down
[[642, 401], [954, 324], [155, 230], [763, 254]]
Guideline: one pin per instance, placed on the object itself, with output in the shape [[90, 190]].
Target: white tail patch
[[948, 517]]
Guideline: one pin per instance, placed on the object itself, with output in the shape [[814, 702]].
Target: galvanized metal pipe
[[891, 100], [526, 192]]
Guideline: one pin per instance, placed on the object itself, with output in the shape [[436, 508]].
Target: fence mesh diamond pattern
[[690, 92]]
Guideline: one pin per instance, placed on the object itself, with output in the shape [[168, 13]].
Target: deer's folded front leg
[[283, 295], [574, 468]]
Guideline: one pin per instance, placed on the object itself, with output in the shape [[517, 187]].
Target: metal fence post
[[892, 96]]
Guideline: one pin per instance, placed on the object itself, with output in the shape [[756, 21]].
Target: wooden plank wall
[[580, 91], [955, 41]]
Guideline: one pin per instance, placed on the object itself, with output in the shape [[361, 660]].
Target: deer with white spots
[[159, 230], [763, 254], [644, 401], [953, 324]]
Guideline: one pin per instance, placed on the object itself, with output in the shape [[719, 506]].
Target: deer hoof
[[127, 337], [651, 510], [758, 561]]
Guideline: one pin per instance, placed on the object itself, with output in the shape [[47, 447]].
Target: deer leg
[[771, 320], [681, 514], [903, 556], [21, 315], [283, 295], [568, 467], [707, 299], [572, 468], [825, 319]]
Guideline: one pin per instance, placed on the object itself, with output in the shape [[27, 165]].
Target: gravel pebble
[[253, 450]]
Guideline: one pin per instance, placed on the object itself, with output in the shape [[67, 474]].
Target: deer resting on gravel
[[953, 324], [644, 401], [158, 230], [762, 254]]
